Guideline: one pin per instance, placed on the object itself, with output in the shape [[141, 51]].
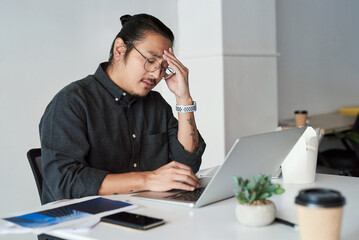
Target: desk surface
[[217, 221], [330, 122]]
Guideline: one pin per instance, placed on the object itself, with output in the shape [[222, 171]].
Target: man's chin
[[143, 94]]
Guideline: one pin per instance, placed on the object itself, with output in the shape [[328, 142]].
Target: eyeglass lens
[[152, 65]]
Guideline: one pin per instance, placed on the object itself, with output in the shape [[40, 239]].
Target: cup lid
[[300, 112], [320, 197]]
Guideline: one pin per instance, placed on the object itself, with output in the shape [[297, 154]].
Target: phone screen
[[133, 220]]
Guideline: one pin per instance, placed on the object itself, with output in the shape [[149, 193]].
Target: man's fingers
[[186, 180], [183, 186], [185, 170], [183, 175], [172, 56], [179, 165], [174, 175], [174, 61], [175, 66]]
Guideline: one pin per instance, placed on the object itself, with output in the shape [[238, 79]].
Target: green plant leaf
[[353, 136], [256, 179], [253, 197], [270, 188], [349, 135], [241, 182], [246, 193], [267, 179], [242, 198], [243, 201], [245, 183], [249, 186], [264, 196], [279, 191], [236, 181], [242, 195], [260, 188]]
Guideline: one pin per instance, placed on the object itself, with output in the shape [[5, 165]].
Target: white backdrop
[[318, 66]]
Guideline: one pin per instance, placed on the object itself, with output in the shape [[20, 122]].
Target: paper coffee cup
[[300, 117], [319, 213]]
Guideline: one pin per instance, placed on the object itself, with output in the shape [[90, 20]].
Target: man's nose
[[157, 73]]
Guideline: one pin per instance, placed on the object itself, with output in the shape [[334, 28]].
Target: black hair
[[135, 27]]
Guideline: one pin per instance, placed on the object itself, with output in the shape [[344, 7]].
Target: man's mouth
[[148, 83]]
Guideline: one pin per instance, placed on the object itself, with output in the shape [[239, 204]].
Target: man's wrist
[[184, 101], [145, 179], [187, 108]]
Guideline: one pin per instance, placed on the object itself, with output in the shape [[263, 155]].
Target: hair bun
[[125, 18]]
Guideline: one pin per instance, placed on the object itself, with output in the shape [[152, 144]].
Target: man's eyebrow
[[154, 54]]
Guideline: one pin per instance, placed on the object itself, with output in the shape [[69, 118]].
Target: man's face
[[135, 79]]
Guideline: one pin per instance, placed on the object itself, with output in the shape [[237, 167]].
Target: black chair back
[[34, 157], [356, 130]]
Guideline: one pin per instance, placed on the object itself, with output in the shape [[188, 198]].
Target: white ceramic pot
[[256, 215]]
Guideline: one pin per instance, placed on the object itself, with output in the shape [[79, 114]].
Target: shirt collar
[[101, 76]]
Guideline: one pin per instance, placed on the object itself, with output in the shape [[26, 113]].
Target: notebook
[[248, 156]]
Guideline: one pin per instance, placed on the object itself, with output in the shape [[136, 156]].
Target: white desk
[[217, 221]]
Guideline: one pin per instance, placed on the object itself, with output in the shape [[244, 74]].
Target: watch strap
[[186, 108]]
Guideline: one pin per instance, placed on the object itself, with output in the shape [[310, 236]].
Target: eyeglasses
[[151, 65]]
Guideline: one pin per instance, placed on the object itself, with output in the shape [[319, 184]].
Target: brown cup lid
[[320, 197], [300, 112]]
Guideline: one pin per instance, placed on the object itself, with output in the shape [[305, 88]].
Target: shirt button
[[116, 99], [134, 135], [135, 165], [123, 94]]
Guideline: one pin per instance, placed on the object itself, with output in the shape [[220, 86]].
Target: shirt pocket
[[154, 151]]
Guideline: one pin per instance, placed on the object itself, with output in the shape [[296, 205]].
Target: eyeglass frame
[[169, 68]]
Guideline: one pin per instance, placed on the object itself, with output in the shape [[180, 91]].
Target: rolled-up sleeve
[[64, 147], [177, 151]]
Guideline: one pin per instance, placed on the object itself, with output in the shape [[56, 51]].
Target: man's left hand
[[178, 83]]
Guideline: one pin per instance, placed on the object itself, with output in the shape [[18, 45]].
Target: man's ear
[[119, 49]]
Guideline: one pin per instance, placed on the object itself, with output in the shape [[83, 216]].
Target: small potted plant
[[253, 209]]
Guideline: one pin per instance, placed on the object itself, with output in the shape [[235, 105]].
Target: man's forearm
[[187, 129], [173, 175], [123, 183]]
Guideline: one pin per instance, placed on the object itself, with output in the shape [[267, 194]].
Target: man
[[109, 133]]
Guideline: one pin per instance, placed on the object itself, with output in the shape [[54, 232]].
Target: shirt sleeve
[[177, 151], [64, 148]]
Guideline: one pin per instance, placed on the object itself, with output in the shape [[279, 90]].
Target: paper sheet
[[74, 215]]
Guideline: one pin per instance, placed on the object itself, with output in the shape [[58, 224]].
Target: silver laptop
[[248, 156]]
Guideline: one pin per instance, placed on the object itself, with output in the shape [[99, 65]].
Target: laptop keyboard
[[187, 195]]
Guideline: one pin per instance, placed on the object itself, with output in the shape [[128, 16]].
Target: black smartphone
[[133, 220]]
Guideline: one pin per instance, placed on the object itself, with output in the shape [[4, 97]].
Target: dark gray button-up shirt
[[92, 128]]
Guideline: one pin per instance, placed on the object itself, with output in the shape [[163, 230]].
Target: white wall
[[200, 49], [249, 28], [45, 45], [318, 67], [250, 96], [250, 68]]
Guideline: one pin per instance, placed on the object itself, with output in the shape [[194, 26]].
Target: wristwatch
[[186, 109]]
